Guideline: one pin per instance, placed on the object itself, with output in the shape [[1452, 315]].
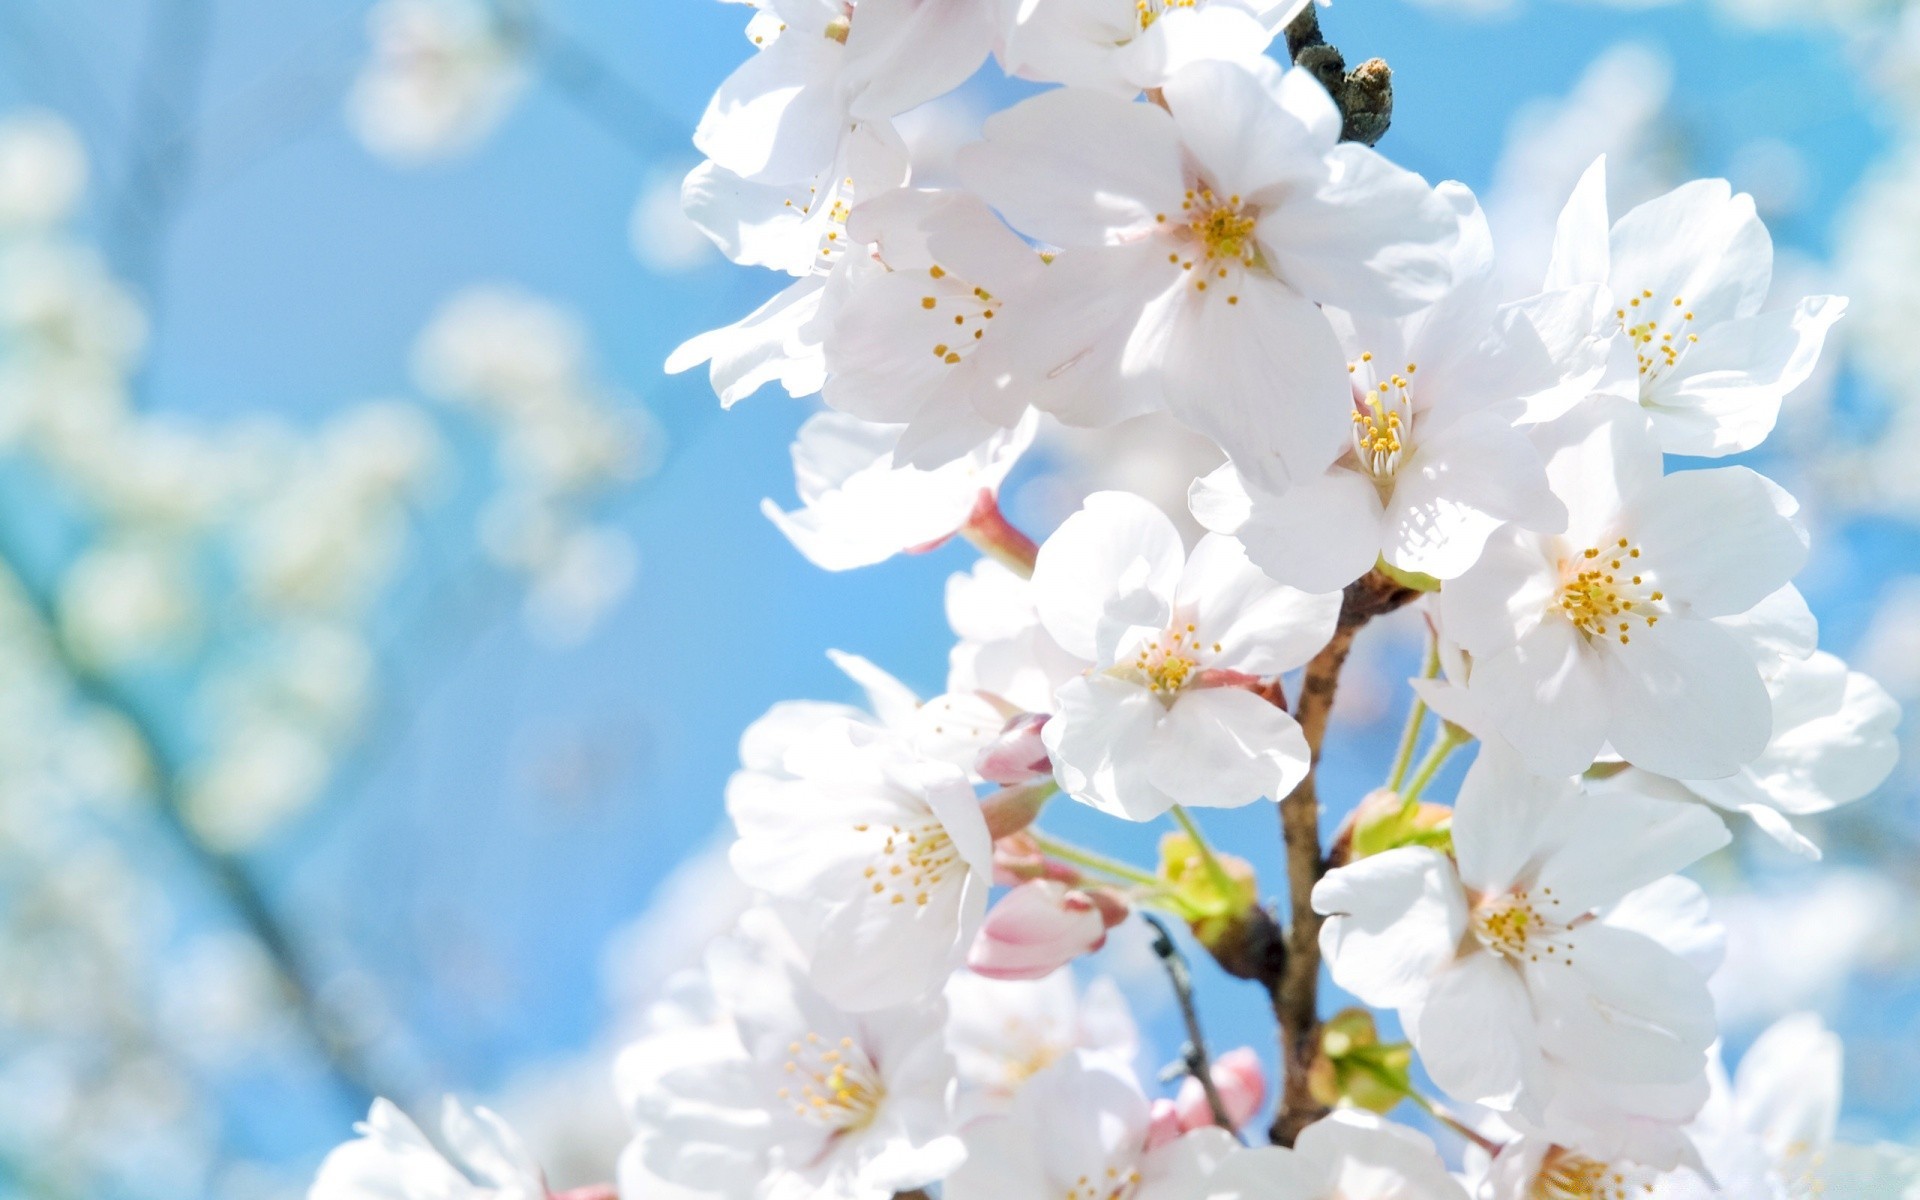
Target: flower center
[[1569, 1175], [1146, 12], [1169, 663], [1512, 926], [1115, 1183], [1606, 591], [1214, 236], [1224, 229], [909, 862], [1382, 418], [832, 1084], [969, 308], [1660, 333]]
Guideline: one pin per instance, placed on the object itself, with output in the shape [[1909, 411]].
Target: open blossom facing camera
[[919, 343], [879, 860], [1512, 978], [1608, 633], [1196, 246], [778, 1095], [1687, 276], [1164, 717]]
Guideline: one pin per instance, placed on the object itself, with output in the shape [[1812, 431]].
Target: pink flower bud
[[1018, 754], [1036, 928], [1163, 1124], [1241, 1082]]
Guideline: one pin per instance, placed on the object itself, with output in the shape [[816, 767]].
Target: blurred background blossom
[[377, 622]]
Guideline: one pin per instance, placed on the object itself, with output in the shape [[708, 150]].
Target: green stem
[[1222, 882], [1450, 739], [1392, 1083], [1416, 719], [1067, 852]]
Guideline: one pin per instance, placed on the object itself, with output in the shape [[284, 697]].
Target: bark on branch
[[1296, 998], [1364, 95]]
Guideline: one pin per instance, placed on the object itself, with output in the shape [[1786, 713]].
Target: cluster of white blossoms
[[1179, 228]]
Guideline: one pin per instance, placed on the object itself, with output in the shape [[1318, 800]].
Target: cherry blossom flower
[[1506, 964], [1161, 719], [393, 1160], [1345, 1156], [1436, 463], [917, 344], [797, 228], [861, 503], [1607, 633], [43, 170], [1079, 1129], [822, 67], [879, 860], [1688, 274], [1196, 245], [770, 1092], [1003, 1032], [442, 76], [1768, 1132], [1126, 46]]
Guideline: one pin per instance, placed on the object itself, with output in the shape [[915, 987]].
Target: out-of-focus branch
[[592, 85], [229, 876], [1364, 95], [159, 166], [1296, 999]]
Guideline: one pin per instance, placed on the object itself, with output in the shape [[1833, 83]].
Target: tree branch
[[1194, 1053], [1364, 95], [1296, 999]]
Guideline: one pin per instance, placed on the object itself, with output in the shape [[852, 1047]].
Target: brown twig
[[1364, 94], [1296, 999], [1194, 1053]]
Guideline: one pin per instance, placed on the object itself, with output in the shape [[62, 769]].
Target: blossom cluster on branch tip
[[1176, 228]]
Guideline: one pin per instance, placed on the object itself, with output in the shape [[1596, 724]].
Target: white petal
[[1098, 741], [1372, 238], [1253, 365], [1260, 627], [1116, 544], [1475, 1032], [770, 344], [1077, 168], [1545, 697], [1458, 488], [1394, 921], [1724, 395], [1699, 243], [1618, 1005], [1684, 700], [1580, 250], [1224, 747], [1721, 540], [1321, 534]]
